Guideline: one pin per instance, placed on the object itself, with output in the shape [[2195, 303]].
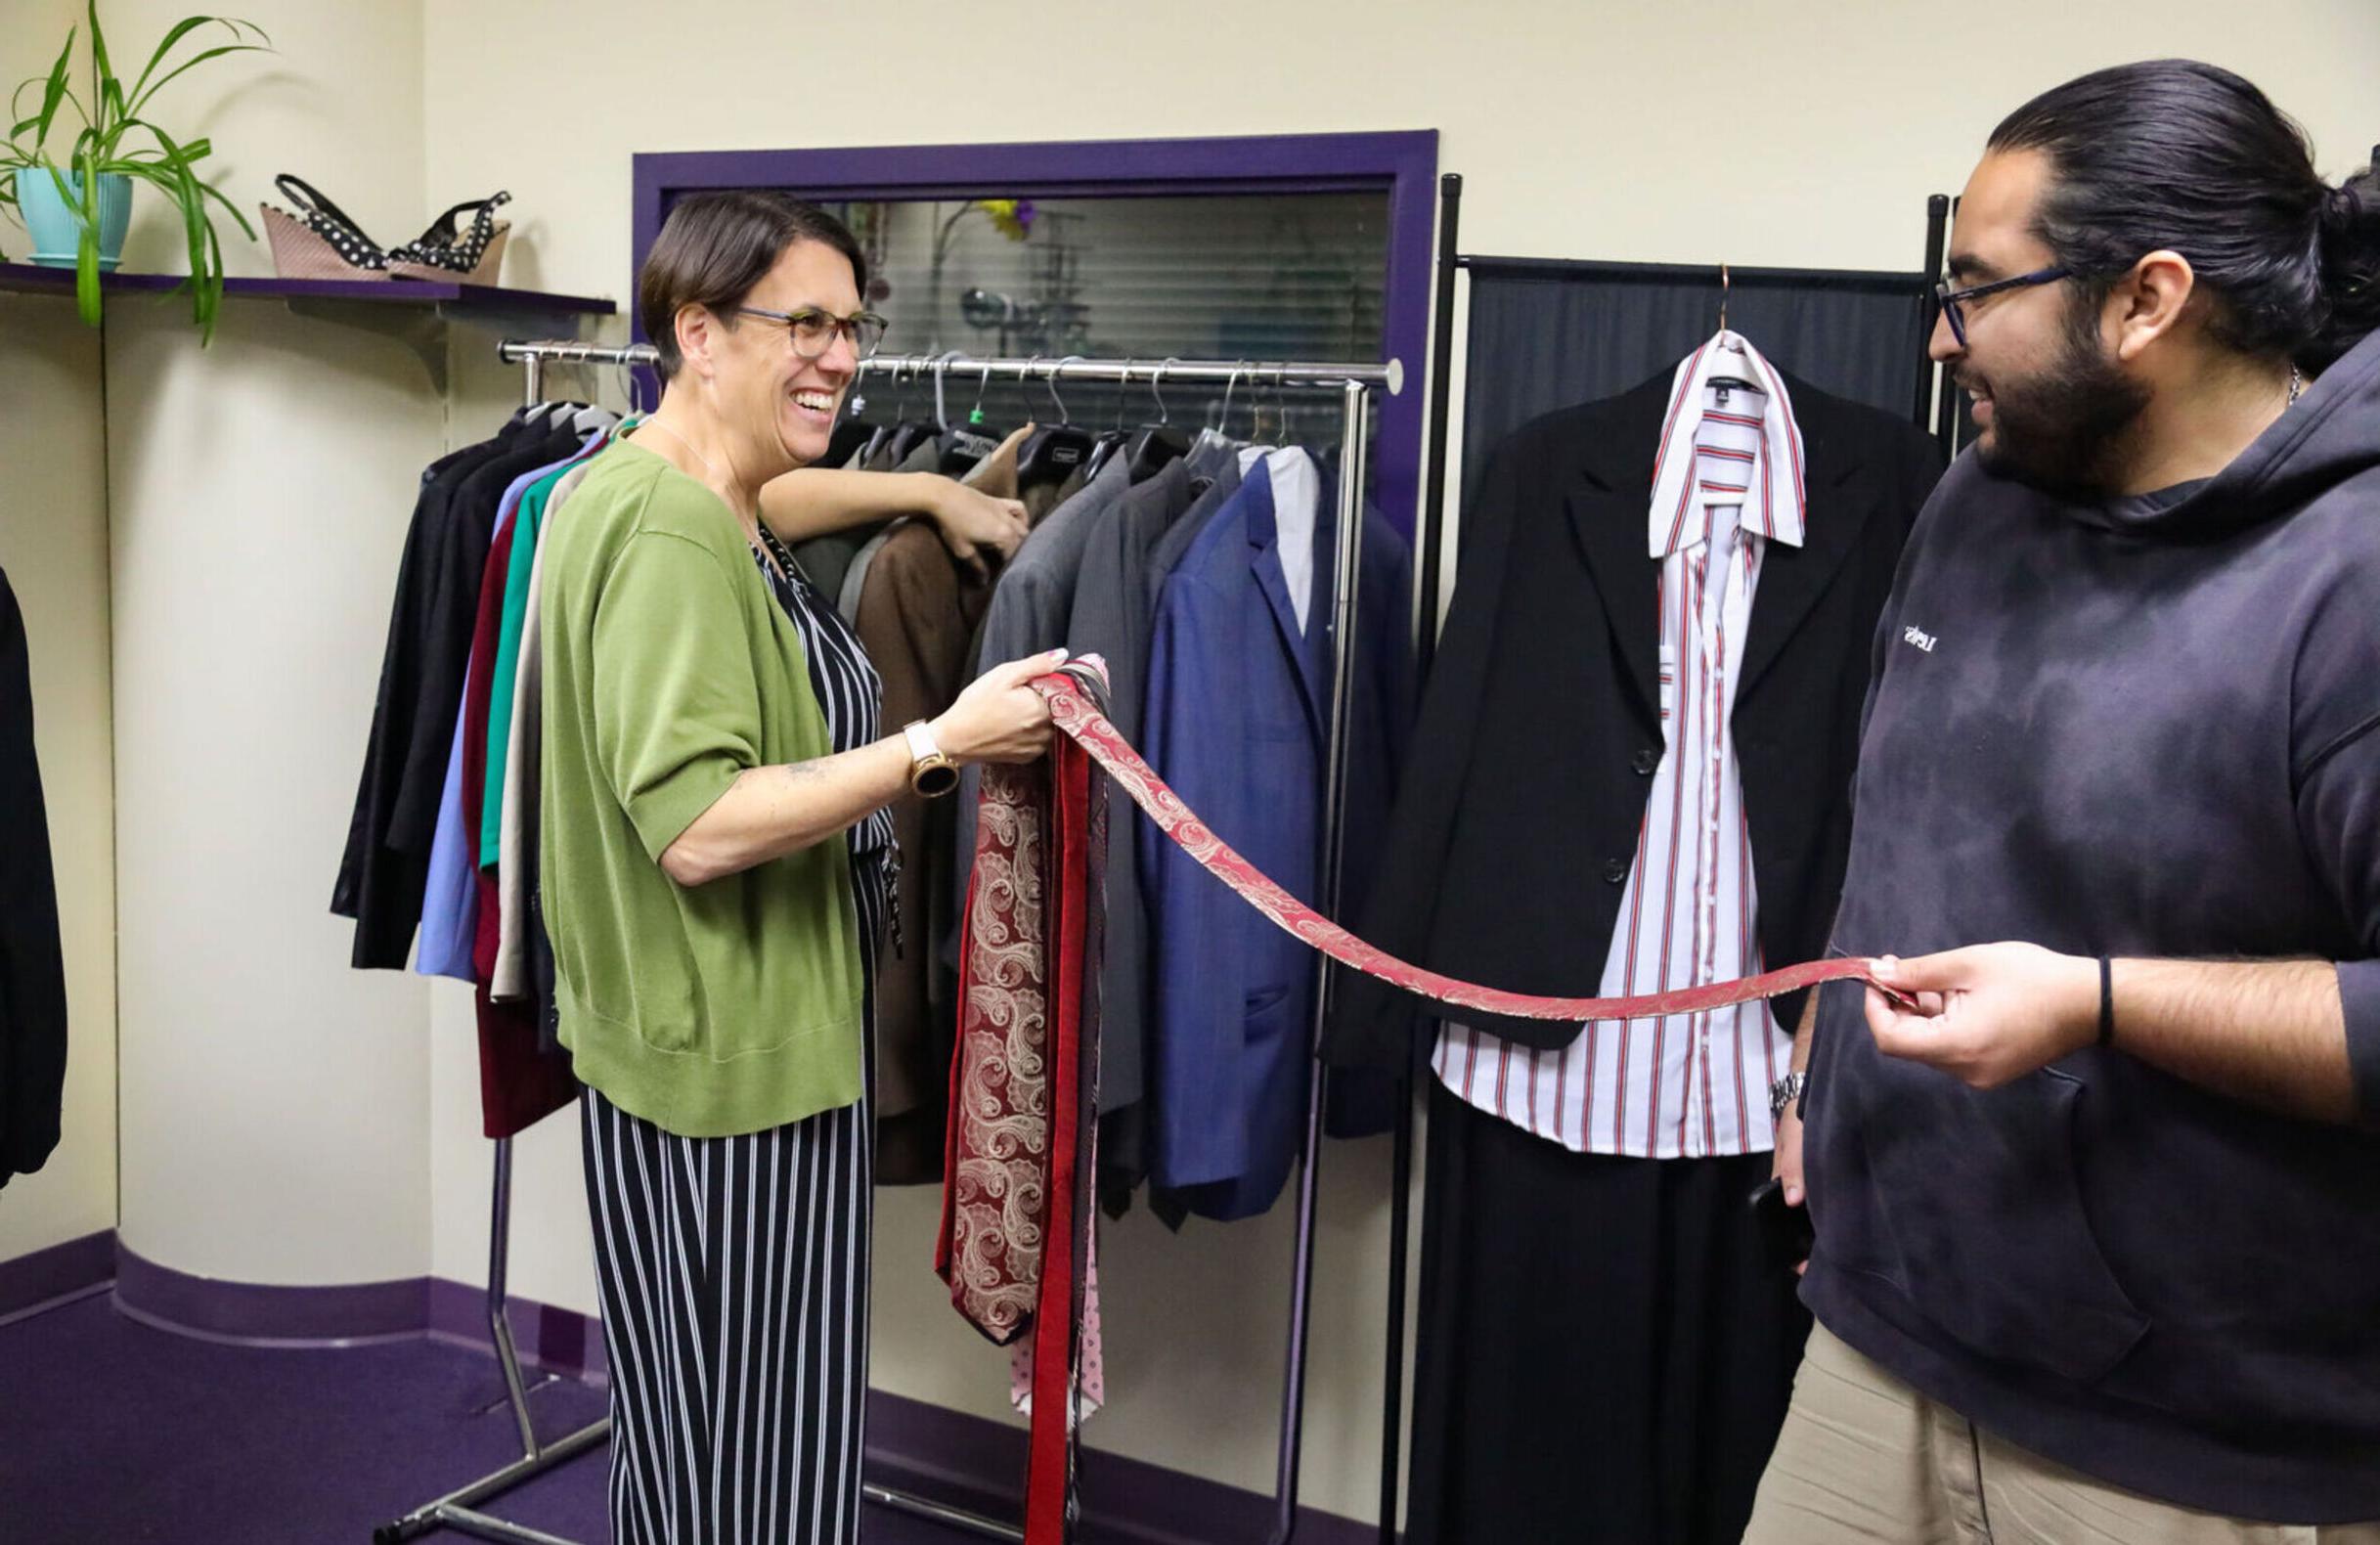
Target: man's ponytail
[[2349, 248]]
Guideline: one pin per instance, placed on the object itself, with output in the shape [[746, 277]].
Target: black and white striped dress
[[734, 1270]]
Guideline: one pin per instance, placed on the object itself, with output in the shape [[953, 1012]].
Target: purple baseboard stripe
[[58, 1272], [247, 1311], [948, 1456], [250, 1314], [969, 1462]]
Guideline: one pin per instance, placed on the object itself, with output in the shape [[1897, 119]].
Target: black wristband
[[2107, 1001]]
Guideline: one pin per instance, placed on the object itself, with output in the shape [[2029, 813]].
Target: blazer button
[[1614, 870], [1646, 761]]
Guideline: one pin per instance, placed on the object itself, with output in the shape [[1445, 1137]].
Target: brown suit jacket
[[918, 614]]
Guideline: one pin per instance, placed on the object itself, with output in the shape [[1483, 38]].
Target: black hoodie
[[2145, 727]]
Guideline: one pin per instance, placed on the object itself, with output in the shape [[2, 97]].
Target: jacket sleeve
[[33, 966], [1373, 1023]]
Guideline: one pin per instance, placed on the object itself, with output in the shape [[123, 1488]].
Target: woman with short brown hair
[[718, 867]]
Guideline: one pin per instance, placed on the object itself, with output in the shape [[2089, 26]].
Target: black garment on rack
[[1608, 1349], [32, 964], [1606, 1352], [1547, 670], [386, 864], [1558, 333]]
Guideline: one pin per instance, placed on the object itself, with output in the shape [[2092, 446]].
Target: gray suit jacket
[[1113, 616], [1030, 609]]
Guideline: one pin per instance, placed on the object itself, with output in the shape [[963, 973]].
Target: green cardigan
[[728, 1007]]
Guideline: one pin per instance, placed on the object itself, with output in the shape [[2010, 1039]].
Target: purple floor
[[114, 1433]]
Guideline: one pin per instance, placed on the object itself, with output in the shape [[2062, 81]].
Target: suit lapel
[[1610, 503], [1791, 579], [1265, 562]]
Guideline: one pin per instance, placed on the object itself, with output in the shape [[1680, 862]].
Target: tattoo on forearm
[[806, 772]]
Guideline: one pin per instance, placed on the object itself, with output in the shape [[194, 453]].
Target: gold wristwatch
[[932, 774]]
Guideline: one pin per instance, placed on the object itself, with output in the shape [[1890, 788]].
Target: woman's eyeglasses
[[814, 331]]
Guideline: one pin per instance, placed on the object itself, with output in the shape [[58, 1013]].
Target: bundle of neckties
[[1016, 1245]]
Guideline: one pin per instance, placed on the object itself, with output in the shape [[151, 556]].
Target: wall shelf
[[415, 312]]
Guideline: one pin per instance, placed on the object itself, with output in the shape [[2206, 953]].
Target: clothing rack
[[1429, 539], [1356, 385]]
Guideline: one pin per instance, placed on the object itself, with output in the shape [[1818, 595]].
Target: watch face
[[936, 779]]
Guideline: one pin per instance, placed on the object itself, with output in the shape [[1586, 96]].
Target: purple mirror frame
[[1402, 165]]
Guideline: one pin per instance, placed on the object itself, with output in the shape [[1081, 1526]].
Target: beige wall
[[275, 1102], [1749, 132], [286, 1120], [54, 548]]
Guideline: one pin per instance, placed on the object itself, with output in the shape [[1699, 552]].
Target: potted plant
[[77, 205]]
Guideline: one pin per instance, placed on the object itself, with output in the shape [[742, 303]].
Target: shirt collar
[[1774, 500]]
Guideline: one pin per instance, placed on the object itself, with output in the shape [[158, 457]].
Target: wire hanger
[[1159, 443], [1731, 343], [1222, 419], [975, 414], [883, 438], [1104, 451], [916, 433], [1053, 451]]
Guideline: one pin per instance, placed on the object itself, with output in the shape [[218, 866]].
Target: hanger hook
[[942, 376], [1156, 385], [1725, 284], [1223, 420], [1123, 387], [1051, 381], [975, 416]]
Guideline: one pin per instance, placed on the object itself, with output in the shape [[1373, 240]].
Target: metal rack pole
[[1945, 411], [1425, 649], [1355, 400], [1937, 224], [1301, 374]]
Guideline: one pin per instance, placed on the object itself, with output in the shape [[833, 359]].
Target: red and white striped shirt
[[1727, 482]]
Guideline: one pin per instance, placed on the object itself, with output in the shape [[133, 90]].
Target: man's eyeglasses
[[1954, 301], [814, 331]]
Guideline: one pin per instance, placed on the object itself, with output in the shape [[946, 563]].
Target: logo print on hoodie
[[1919, 637]]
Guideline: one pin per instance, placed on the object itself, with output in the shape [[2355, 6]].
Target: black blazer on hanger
[[32, 964], [1540, 727]]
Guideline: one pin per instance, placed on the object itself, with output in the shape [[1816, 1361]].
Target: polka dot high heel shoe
[[319, 240], [448, 252]]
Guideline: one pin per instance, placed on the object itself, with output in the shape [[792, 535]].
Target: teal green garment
[[527, 519]]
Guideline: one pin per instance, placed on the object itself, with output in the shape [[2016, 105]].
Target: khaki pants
[[1865, 1460]]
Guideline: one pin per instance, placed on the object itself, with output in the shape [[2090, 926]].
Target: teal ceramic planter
[[52, 225]]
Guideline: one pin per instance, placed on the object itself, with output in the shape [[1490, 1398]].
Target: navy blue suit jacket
[[1237, 720]]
